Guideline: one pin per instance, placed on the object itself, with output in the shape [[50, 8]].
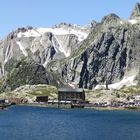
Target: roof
[[70, 90], [41, 96]]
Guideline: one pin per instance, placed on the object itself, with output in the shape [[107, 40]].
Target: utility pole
[[106, 84], [106, 77]]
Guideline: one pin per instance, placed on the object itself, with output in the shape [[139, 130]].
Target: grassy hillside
[[30, 92]]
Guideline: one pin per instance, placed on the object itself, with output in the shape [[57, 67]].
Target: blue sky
[[46, 13]]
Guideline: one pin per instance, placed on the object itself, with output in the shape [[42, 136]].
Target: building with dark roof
[[42, 99], [69, 94]]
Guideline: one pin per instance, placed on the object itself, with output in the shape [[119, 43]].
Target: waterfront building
[[42, 99], [73, 95]]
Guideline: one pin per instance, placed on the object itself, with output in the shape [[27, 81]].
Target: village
[[73, 98]]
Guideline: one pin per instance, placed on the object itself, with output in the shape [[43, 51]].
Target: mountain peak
[[110, 18], [136, 11], [92, 24], [62, 24]]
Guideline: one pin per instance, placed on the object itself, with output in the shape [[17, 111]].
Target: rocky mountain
[[92, 56], [109, 55], [40, 46]]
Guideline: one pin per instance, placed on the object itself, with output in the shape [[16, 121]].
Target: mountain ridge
[[74, 56]]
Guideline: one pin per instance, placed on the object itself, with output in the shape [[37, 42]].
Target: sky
[[47, 13]]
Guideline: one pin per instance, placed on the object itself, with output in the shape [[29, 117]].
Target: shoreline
[[94, 108], [113, 108]]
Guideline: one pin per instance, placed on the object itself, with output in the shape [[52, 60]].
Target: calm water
[[36, 123]]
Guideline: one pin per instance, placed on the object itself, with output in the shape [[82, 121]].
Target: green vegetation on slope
[[25, 72]]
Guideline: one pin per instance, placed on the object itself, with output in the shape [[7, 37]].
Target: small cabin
[[42, 99], [69, 94]]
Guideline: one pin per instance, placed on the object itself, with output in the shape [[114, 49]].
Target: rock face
[[136, 12], [41, 44], [111, 19], [69, 55], [110, 53]]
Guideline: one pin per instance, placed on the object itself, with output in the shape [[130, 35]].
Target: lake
[[38, 123]]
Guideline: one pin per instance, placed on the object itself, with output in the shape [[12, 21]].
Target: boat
[[5, 105]]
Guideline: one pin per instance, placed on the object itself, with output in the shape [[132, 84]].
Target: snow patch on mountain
[[22, 48], [126, 81], [63, 31], [61, 49], [122, 22], [133, 21], [80, 33], [6, 54], [28, 33], [45, 63]]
